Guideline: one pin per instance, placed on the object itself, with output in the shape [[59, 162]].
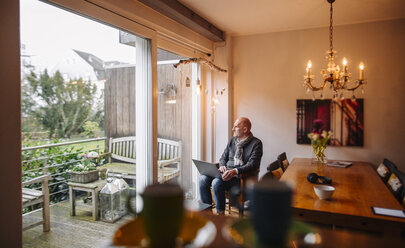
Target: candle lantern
[[123, 188], [110, 202]]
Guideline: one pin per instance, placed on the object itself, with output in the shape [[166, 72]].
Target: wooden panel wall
[[119, 98], [174, 120]]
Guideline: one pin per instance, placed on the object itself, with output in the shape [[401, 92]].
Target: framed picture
[[343, 117]]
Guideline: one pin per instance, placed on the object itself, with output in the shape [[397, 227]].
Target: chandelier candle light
[[339, 79]]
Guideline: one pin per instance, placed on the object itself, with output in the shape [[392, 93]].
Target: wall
[[223, 119], [268, 72], [119, 95], [10, 126]]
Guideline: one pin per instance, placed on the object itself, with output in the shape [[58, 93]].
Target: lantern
[[123, 188], [110, 202]]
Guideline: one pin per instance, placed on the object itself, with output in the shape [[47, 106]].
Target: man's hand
[[227, 175], [222, 169]]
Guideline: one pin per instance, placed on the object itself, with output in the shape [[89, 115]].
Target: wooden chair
[[275, 169], [267, 176], [239, 198], [32, 197], [385, 169], [396, 183], [283, 161]]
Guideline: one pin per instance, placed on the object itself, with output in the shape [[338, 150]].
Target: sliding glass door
[[86, 103]]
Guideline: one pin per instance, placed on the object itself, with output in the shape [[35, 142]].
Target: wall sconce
[[170, 92], [222, 91], [215, 99], [198, 87], [188, 82]]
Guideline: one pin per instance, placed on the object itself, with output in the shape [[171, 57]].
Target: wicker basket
[[83, 177]]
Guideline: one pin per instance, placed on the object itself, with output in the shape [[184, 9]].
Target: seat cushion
[[285, 164], [277, 173]]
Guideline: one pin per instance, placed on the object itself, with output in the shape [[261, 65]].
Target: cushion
[[383, 171], [395, 185], [285, 164], [277, 173]]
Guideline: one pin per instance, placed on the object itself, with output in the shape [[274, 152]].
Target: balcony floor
[[70, 231]]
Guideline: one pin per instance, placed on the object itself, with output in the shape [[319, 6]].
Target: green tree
[[64, 106], [91, 129], [28, 121]]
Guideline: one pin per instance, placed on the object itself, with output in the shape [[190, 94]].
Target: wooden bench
[[124, 149], [32, 197]]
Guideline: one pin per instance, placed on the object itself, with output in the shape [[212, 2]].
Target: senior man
[[241, 155]]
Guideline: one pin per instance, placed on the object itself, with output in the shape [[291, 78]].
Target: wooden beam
[[180, 13]]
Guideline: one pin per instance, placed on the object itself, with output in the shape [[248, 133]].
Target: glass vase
[[318, 154], [319, 159]]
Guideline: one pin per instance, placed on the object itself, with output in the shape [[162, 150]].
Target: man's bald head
[[245, 122], [241, 127]]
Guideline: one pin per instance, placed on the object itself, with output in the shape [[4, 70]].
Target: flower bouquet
[[319, 139], [86, 170]]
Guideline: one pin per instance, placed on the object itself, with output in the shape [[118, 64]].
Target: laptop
[[207, 169]]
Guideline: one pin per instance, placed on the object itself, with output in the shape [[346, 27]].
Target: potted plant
[[85, 171]]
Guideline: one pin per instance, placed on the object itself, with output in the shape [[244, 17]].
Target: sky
[[48, 32]]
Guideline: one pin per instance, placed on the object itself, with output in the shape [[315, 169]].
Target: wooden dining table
[[328, 237], [357, 189]]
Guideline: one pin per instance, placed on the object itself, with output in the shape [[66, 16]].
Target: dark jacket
[[252, 155]]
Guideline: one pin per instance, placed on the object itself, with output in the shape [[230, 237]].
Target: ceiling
[[246, 17]]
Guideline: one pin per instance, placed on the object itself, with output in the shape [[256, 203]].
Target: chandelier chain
[[337, 77], [331, 28]]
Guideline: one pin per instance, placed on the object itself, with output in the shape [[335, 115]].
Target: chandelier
[[339, 79]]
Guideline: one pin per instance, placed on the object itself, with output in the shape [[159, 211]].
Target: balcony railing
[[56, 159]]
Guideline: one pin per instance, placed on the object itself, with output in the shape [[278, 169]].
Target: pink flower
[[318, 123]]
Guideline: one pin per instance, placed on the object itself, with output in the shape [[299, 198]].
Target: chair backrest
[[390, 165], [124, 149], [250, 176], [275, 169], [283, 161], [267, 176], [396, 183]]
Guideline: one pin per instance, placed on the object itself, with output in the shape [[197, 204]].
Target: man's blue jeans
[[218, 188]]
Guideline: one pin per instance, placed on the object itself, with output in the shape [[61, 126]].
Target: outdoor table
[[91, 187], [357, 189]]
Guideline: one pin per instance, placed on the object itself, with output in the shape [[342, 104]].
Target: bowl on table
[[324, 192]]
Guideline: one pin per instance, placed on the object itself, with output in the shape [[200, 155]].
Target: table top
[[357, 189], [330, 238]]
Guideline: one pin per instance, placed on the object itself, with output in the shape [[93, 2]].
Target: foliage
[[87, 163], [58, 159], [91, 128], [29, 122], [64, 107]]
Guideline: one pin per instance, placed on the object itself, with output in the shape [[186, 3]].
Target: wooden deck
[[74, 231], [70, 231]]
